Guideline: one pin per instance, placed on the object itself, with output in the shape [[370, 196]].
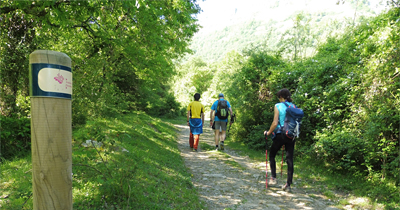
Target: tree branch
[[91, 168], [5, 10], [396, 4]]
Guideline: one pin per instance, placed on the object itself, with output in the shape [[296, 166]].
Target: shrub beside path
[[227, 180]]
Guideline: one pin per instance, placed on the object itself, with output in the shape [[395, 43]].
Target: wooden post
[[50, 78]]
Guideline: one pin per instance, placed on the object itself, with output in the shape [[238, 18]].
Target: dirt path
[[226, 180]]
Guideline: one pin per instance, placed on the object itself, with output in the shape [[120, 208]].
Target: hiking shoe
[[222, 145], [272, 181], [286, 187], [194, 150]]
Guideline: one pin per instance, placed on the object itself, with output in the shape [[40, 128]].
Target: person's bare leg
[[216, 136], [223, 135], [196, 141]]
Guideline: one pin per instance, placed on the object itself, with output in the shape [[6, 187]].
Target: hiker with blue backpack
[[219, 121], [284, 129]]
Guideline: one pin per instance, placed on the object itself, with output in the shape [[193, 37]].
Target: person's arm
[[274, 123], [211, 117], [188, 117], [231, 112], [202, 118]]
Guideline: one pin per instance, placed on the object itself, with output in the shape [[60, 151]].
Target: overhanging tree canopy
[[115, 45]]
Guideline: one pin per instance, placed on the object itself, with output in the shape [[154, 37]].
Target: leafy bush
[[160, 103], [358, 127], [112, 74], [341, 149], [255, 140], [15, 136], [348, 91], [250, 96]]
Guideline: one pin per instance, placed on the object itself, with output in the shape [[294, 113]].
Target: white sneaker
[[272, 181]]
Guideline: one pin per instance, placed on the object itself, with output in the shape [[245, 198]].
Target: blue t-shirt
[[282, 114], [215, 106]]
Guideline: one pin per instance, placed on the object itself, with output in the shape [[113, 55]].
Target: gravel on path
[[227, 180]]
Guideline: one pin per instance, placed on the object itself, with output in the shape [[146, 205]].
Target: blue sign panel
[[50, 80]]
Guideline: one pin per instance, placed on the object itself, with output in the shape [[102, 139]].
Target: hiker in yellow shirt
[[195, 119]]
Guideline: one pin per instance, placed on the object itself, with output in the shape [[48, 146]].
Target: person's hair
[[285, 94], [196, 96]]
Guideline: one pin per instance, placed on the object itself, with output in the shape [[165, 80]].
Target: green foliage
[[341, 90], [121, 52], [16, 183], [349, 91], [194, 76], [248, 92], [138, 166], [213, 46], [297, 41], [341, 150], [359, 131], [15, 136], [256, 141], [295, 33], [98, 37], [132, 178], [162, 104], [223, 78]]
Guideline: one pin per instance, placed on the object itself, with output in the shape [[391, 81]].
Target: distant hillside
[[269, 20], [213, 46]]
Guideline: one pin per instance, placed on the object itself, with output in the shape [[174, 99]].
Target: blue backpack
[[291, 126], [222, 109]]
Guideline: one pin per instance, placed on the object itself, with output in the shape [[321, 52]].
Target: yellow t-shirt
[[196, 108]]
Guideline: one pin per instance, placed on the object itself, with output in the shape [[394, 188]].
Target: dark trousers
[[277, 143]]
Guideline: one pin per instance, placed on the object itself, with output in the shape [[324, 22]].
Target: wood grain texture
[[51, 57], [51, 134]]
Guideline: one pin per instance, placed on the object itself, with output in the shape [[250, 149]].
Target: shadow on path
[[226, 180]]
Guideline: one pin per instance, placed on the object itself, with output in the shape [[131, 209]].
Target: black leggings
[[277, 143]]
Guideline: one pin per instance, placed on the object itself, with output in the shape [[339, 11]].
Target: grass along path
[[230, 180], [146, 163], [137, 166]]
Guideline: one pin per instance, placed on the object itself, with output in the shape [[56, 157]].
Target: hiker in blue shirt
[[219, 121], [279, 139]]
